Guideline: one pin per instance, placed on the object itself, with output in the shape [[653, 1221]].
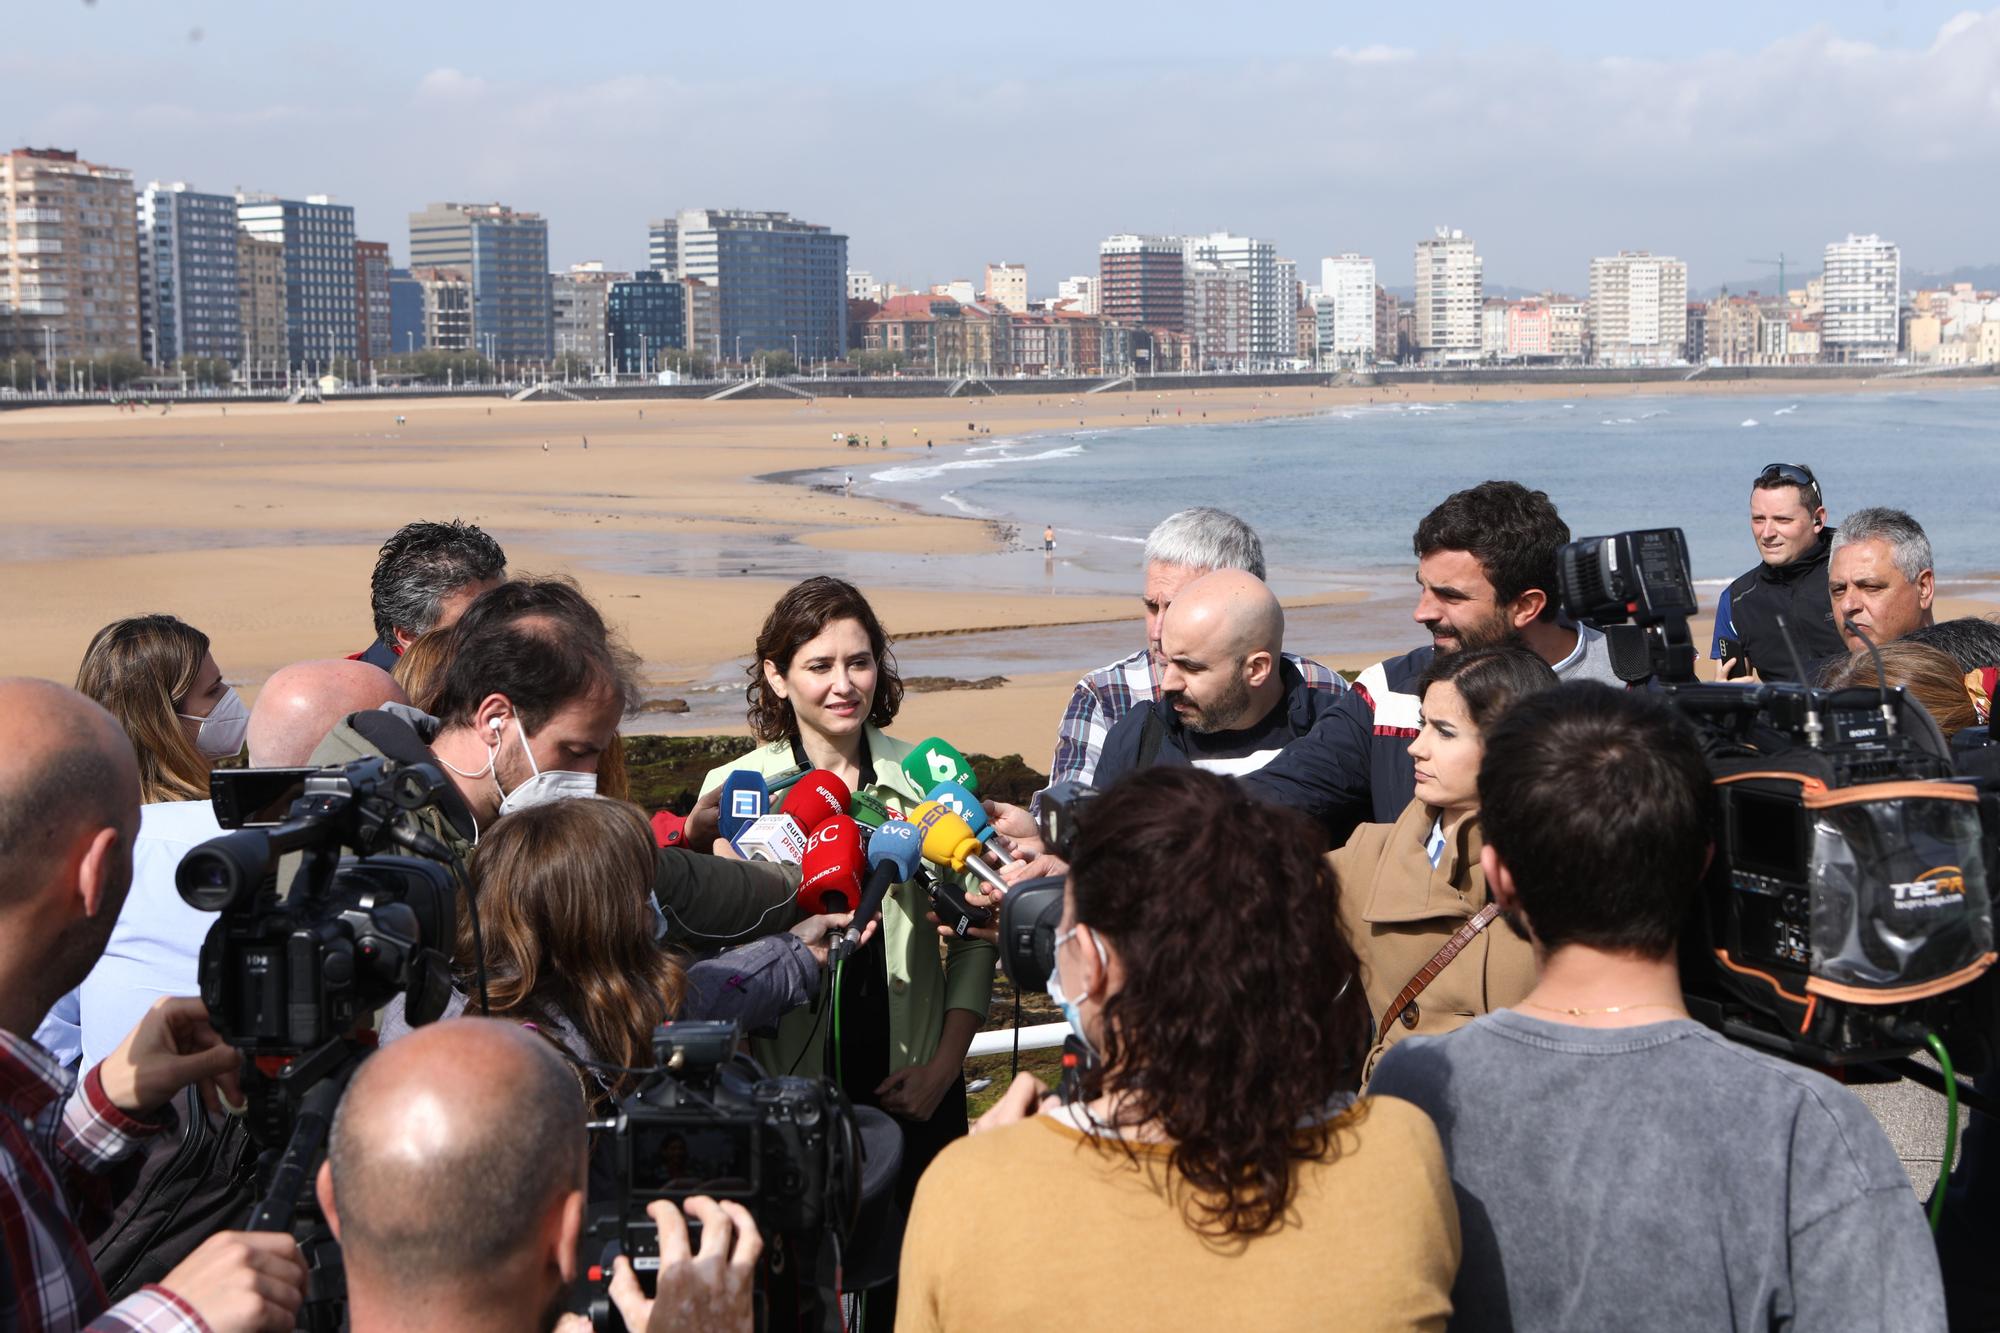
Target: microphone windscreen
[[818, 797], [897, 843], [744, 797], [830, 874], [948, 840], [935, 761], [958, 799]]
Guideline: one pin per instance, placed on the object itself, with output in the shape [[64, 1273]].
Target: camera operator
[[425, 576], [454, 1180], [1213, 1159], [69, 810], [1486, 573], [1788, 522], [1881, 577], [531, 698], [1617, 1164]]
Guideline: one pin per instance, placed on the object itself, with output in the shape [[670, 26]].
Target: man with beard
[[1230, 700], [1486, 574]]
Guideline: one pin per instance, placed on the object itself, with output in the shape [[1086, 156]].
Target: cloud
[[1376, 54], [449, 85]]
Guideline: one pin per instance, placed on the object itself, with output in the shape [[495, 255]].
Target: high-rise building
[[1451, 291], [645, 317], [1081, 293], [1273, 300], [1218, 315], [581, 297], [663, 247], [704, 318], [448, 318], [260, 305], [189, 297], [1388, 319], [317, 236], [1638, 309], [505, 253], [780, 283], [1569, 327], [1697, 327], [406, 313], [371, 303], [1347, 284], [1862, 296], [1142, 281], [69, 259], [1007, 285]]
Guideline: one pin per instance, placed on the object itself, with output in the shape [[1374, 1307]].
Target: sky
[[941, 137]]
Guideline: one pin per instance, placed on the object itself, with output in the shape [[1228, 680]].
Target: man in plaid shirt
[[69, 809]]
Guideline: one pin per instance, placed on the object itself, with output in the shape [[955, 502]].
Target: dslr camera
[[1847, 915], [708, 1121]]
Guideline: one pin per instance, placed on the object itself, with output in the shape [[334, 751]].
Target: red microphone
[[818, 797], [830, 873]]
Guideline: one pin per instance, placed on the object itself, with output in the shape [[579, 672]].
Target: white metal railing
[[1041, 1037]]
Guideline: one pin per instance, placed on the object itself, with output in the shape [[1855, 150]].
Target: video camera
[[1032, 910], [708, 1121], [1848, 912]]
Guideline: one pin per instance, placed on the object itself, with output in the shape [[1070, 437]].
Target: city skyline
[[1555, 139]]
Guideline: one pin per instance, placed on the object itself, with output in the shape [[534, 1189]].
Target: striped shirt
[[53, 1142]]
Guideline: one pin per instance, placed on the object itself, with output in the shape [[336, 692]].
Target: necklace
[[1607, 1009]]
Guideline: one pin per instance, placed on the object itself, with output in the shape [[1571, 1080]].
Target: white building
[[1863, 294], [861, 285], [1495, 340], [1273, 302], [1080, 291], [663, 247], [1451, 288], [1007, 286], [1638, 310], [1347, 303]]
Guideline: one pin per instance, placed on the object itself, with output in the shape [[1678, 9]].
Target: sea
[[1336, 495]]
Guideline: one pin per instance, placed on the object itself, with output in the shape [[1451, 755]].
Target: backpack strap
[[1152, 735]]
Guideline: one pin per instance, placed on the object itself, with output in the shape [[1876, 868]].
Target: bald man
[[455, 1182], [155, 948], [69, 811], [1230, 699]]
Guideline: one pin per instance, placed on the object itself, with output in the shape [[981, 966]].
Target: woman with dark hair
[[1210, 1164], [1414, 888], [823, 687], [156, 676]]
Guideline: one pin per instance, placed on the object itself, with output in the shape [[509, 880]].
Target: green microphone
[[869, 812], [935, 761]]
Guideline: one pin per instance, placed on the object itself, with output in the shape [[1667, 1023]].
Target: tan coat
[[1398, 910]]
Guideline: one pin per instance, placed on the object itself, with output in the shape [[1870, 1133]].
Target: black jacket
[[1798, 592], [1125, 745]]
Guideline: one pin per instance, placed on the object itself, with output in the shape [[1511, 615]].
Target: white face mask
[[555, 784], [222, 731]]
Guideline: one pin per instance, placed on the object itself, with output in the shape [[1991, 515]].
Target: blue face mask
[[1059, 998]]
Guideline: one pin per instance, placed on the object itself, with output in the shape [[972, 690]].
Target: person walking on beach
[[1048, 539]]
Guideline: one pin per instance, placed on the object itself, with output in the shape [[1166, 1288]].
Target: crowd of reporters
[[1440, 1074]]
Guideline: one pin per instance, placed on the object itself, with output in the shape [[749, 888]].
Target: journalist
[[1230, 699], [69, 810], [155, 674], [531, 698], [155, 945], [1788, 523], [1413, 899], [1881, 577], [1213, 1165], [1486, 573], [425, 576], [1617, 1164], [454, 1180]]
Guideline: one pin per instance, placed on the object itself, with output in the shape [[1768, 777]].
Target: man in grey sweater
[[1618, 1165]]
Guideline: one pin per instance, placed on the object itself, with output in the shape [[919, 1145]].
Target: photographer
[[1412, 892], [531, 698], [1788, 521], [455, 1181], [69, 810], [1213, 1159], [425, 576], [1617, 1164]]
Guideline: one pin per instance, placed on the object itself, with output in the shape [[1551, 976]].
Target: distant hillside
[[1983, 276]]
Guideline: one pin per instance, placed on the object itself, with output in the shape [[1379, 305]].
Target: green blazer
[[924, 980]]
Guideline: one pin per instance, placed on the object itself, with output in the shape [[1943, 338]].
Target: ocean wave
[[969, 510], [929, 471]]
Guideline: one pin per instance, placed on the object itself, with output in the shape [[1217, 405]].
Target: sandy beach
[[260, 525]]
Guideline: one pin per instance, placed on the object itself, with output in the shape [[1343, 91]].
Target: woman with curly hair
[[155, 675], [1212, 1165]]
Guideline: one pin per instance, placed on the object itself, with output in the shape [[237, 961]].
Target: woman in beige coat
[[1411, 890]]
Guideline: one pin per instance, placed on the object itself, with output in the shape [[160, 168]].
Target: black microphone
[[894, 854], [1881, 673]]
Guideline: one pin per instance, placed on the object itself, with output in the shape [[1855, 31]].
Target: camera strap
[[1440, 960]]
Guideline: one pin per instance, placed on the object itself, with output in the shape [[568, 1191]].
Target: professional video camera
[[1032, 909], [709, 1121], [1847, 915]]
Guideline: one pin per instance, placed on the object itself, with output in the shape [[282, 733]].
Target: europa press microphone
[[895, 853], [830, 872], [818, 797], [935, 761], [948, 841]]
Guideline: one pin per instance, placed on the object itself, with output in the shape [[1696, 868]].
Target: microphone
[[895, 853], [817, 797], [948, 841], [957, 798], [1881, 674], [744, 797], [936, 761], [830, 872], [870, 812]]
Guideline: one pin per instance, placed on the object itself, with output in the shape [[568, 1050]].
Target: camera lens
[[224, 871]]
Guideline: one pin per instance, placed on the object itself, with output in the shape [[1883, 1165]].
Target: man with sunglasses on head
[[1788, 522]]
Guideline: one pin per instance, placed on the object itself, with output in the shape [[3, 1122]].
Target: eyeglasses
[[1798, 474]]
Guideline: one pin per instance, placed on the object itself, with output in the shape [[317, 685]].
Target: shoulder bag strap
[[1428, 973]]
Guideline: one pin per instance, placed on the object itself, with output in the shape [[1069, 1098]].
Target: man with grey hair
[[425, 576], [1881, 579], [1183, 548]]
